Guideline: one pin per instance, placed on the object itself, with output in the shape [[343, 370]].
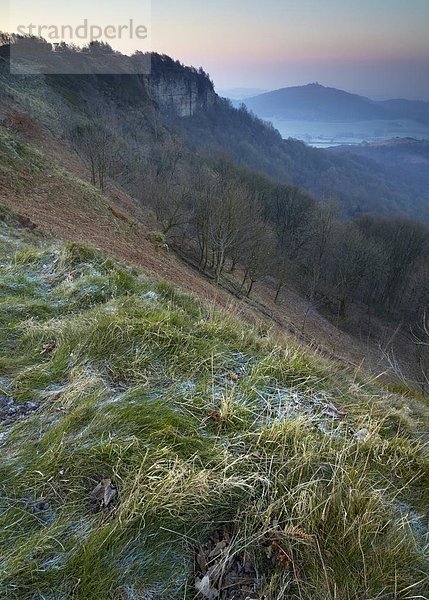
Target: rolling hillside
[[149, 113]]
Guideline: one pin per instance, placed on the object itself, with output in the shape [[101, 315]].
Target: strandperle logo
[[51, 37], [85, 31]]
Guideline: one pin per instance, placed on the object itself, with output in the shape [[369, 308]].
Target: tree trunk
[[219, 266], [278, 290], [244, 279]]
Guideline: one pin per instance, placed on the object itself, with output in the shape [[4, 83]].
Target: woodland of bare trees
[[237, 225], [231, 220], [234, 219]]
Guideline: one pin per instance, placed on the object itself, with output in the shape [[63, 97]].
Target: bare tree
[[94, 144], [258, 254], [323, 222], [225, 226]]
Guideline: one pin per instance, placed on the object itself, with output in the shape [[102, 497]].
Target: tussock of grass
[[176, 403]]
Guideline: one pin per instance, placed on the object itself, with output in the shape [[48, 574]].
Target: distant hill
[[319, 103], [315, 102]]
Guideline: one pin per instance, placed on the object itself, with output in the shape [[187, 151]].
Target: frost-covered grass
[[201, 422]]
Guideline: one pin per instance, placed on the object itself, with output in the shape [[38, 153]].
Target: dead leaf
[[340, 414], [205, 589], [226, 535], [49, 347], [109, 494], [104, 492], [217, 549], [201, 560]]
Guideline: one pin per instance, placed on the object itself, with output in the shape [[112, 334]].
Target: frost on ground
[[317, 408], [153, 447]]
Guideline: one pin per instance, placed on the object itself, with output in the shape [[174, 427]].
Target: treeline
[[234, 220]]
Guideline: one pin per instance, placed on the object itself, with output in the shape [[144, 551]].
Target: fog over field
[[322, 134]]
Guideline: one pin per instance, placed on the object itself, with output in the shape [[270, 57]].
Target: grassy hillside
[[226, 461], [57, 200]]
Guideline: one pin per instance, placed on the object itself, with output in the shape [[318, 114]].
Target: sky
[[376, 47]]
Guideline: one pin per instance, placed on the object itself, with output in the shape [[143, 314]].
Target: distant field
[[324, 134]]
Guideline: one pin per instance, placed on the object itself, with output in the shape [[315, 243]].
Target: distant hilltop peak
[[316, 102]]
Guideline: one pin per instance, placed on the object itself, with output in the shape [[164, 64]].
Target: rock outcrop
[[181, 91]]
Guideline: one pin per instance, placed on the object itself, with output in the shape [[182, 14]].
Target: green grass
[[127, 372]]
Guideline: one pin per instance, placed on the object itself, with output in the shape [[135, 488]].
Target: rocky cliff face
[[179, 90]]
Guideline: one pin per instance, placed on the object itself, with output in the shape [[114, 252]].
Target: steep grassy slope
[[317, 481], [62, 203], [58, 200]]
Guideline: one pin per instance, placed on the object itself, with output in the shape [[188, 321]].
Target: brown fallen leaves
[[103, 493], [225, 574], [215, 416], [49, 347], [283, 558]]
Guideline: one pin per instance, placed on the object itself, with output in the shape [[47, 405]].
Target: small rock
[[362, 435]]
